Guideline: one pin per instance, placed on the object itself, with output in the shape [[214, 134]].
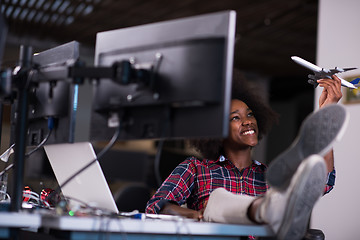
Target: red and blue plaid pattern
[[193, 180]]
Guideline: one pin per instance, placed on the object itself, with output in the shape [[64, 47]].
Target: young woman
[[227, 163]]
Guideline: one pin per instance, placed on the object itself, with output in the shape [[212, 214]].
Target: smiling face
[[243, 127]]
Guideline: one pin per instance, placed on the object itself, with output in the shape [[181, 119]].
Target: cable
[[5, 157], [98, 157], [50, 127], [6, 169], [110, 144], [7, 197], [35, 197]]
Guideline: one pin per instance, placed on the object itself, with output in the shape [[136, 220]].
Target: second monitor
[[181, 84]]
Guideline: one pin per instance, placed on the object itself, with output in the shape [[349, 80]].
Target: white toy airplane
[[352, 74]]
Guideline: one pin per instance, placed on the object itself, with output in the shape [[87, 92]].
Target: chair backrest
[[131, 197]]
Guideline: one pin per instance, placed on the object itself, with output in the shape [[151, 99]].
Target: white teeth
[[249, 132]]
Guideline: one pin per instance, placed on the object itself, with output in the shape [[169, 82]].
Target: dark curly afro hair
[[265, 116]]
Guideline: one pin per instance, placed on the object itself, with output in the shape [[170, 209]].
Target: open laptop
[[90, 186]]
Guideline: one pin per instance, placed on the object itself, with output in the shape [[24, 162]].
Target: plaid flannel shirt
[[192, 181]]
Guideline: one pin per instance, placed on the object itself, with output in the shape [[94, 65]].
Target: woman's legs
[[286, 212], [226, 207]]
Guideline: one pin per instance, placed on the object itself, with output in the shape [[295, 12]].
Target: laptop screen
[[90, 186]]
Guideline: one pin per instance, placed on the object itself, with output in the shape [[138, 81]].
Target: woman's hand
[[173, 209], [331, 92]]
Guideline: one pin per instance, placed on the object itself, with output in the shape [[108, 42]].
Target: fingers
[[334, 83], [332, 89], [201, 216]]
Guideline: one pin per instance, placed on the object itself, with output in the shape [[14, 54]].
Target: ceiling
[[268, 31]]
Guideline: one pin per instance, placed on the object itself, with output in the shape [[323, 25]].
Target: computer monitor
[[56, 98], [188, 93]]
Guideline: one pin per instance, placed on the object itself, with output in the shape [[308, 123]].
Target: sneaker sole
[[307, 188], [317, 134]]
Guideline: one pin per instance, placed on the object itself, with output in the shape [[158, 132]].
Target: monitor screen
[[186, 89]]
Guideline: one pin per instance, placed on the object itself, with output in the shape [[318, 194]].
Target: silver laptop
[[90, 186]]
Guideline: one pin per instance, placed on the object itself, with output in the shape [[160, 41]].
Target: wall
[[337, 214]]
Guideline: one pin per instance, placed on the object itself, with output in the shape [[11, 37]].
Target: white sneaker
[[288, 212], [317, 135]]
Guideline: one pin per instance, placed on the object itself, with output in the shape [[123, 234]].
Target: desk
[[23, 220], [114, 228], [81, 228]]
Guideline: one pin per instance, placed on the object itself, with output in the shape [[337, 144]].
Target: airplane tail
[[356, 82]]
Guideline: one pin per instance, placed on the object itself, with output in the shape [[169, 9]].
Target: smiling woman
[[227, 162], [224, 186]]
